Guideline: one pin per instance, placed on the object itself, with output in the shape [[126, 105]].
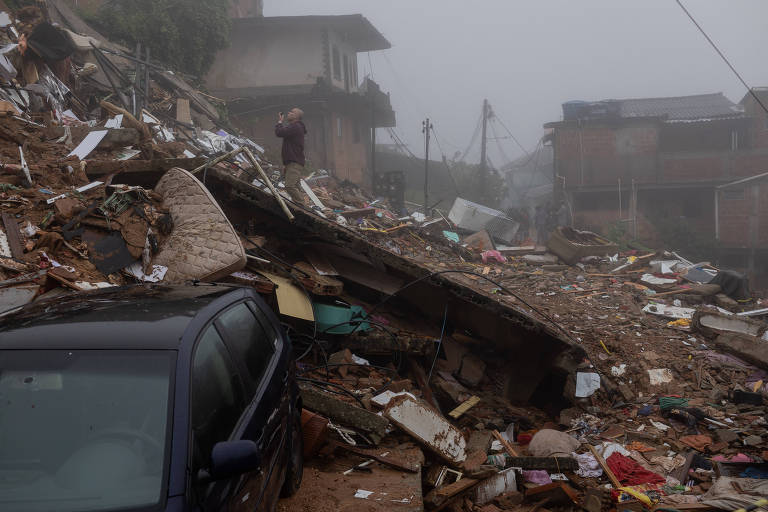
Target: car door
[[217, 405], [257, 348]]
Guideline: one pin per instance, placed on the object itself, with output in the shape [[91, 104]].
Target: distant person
[[292, 130]]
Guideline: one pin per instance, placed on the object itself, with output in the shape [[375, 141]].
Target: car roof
[[126, 317]]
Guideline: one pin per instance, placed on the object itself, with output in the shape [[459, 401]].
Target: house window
[[734, 140], [346, 73], [733, 194], [336, 63], [338, 127], [356, 132]]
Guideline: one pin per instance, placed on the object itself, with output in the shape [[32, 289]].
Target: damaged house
[[658, 164], [276, 63]]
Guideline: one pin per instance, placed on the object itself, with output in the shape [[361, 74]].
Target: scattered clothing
[[630, 472], [697, 442], [537, 476], [588, 466]]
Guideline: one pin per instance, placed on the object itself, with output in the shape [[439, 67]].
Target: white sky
[[529, 56]]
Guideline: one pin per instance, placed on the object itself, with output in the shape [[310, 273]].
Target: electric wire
[[445, 162], [511, 135], [472, 141], [722, 56]]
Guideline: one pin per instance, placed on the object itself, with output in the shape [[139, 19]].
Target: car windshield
[[83, 430]]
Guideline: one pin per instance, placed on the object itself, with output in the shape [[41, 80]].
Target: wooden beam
[[104, 167], [508, 447], [14, 236], [604, 465]]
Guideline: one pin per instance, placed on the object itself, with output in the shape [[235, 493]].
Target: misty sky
[[529, 56]]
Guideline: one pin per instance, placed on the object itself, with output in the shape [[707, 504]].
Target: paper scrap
[[189, 154], [127, 154], [88, 144], [660, 376], [157, 275], [587, 384], [363, 494], [115, 122]]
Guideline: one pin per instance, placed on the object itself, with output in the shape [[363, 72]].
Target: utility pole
[[426, 127], [374, 176], [484, 150]]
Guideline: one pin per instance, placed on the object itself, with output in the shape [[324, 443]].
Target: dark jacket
[[293, 141]]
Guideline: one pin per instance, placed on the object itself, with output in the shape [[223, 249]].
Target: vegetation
[[185, 34]]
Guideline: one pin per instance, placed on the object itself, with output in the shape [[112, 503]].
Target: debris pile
[[444, 362]]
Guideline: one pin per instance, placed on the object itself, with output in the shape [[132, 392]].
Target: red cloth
[[630, 472]]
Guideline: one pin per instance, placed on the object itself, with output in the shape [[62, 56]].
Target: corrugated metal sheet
[[681, 107]]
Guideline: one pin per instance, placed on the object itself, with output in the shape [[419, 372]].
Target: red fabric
[[630, 472]]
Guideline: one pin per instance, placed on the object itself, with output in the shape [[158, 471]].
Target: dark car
[[148, 398]]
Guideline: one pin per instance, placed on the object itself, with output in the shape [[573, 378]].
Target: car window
[[247, 339], [217, 397]]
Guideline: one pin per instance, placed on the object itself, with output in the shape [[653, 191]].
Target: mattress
[[203, 244]]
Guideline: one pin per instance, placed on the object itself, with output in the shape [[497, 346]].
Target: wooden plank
[[464, 407], [604, 465], [439, 496], [508, 447], [104, 167], [316, 283], [551, 464], [380, 455], [14, 236], [182, 111]]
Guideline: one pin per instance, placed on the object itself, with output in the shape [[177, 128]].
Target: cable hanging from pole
[[722, 56]]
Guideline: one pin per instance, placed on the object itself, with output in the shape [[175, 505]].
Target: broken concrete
[[749, 348], [713, 323], [343, 413], [429, 428]]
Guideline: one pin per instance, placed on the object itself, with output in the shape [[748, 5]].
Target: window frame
[[336, 63], [243, 390], [252, 388]]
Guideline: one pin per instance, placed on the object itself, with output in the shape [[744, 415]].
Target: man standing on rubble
[[292, 130]]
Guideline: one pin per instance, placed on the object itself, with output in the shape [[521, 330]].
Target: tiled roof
[[680, 108]]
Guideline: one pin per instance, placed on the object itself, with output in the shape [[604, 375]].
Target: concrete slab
[[429, 428]]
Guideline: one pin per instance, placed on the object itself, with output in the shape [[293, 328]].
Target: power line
[[445, 161], [510, 134], [474, 138], [496, 138], [680, 3]]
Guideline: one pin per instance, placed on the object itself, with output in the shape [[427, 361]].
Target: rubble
[[531, 376]]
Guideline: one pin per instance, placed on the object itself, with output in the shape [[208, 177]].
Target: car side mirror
[[234, 458]]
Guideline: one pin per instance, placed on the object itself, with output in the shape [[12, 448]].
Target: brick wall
[[742, 211], [600, 155]]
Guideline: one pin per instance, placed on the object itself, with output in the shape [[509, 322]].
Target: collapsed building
[[439, 367], [653, 163]]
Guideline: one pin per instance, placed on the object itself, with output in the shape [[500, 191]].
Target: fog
[[529, 56]]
